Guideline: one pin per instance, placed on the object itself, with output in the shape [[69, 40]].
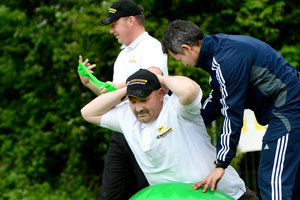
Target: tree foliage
[[46, 148]]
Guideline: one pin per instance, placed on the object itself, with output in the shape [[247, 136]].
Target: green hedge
[[47, 151]]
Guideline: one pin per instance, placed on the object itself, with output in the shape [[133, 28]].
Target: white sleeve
[[111, 119], [191, 111]]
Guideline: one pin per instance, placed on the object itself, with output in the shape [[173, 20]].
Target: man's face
[[187, 58], [121, 30], [147, 110]]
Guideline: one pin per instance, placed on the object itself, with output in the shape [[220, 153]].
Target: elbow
[[191, 94], [89, 116], [192, 91], [84, 113]]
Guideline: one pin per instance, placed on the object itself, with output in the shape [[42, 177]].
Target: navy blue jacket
[[245, 73]]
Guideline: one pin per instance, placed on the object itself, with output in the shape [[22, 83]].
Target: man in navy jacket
[[246, 73]]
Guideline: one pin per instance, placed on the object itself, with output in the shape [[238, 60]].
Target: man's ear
[[163, 91], [132, 20], [186, 47]]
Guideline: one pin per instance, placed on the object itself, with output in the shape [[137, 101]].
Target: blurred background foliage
[[47, 151]]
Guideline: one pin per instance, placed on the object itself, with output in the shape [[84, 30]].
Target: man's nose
[[139, 107]]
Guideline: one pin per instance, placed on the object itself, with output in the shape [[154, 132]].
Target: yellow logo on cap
[[137, 80], [112, 9]]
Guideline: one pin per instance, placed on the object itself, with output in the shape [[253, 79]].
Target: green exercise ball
[[178, 191]]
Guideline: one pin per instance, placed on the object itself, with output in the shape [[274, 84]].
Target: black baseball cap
[[123, 8], [141, 84]]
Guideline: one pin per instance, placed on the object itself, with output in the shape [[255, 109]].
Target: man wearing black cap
[[139, 50], [166, 133], [120, 9]]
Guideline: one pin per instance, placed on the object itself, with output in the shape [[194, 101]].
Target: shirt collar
[[135, 42], [151, 124]]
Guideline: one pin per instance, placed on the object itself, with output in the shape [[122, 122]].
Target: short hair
[[141, 17], [181, 32]]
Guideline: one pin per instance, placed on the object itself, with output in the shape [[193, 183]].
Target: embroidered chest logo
[[162, 127], [133, 59], [164, 134]]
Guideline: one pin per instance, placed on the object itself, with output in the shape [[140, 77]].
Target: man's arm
[[86, 80], [211, 108], [89, 84], [185, 88], [93, 111], [155, 70], [232, 84]]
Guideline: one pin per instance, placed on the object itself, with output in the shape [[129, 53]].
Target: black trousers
[[122, 176]]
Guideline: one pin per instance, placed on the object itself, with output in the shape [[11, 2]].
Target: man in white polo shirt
[[139, 50], [166, 133]]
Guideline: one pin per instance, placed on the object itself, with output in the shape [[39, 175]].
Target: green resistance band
[[82, 70]]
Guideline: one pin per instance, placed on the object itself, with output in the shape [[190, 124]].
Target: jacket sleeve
[[211, 108], [231, 80]]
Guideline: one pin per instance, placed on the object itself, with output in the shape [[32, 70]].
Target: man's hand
[[85, 79], [212, 179], [163, 86]]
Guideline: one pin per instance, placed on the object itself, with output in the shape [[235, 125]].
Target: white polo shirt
[[173, 148], [144, 52]]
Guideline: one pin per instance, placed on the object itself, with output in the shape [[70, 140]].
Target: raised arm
[[185, 88], [93, 111], [85, 80]]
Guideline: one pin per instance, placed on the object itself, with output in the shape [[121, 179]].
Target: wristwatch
[[217, 164]]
